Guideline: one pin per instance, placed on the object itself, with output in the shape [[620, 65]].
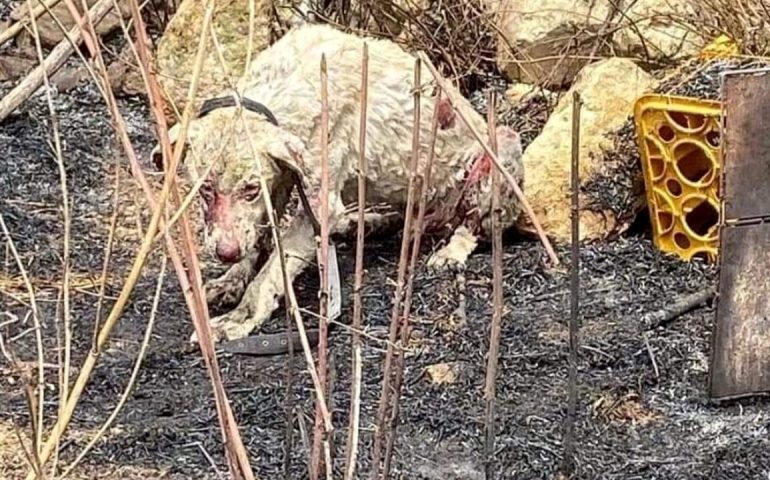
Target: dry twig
[[568, 463], [355, 384], [497, 302], [425, 185], [385, 392], [321, 436]]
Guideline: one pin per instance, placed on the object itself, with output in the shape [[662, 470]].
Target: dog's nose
[[228, 250]]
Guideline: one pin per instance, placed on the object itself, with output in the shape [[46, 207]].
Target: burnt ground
[[643, 412]]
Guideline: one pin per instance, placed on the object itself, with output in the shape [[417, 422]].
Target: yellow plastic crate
[[679, 140]]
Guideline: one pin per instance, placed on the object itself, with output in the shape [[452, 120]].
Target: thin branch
[[37, 434], [568, 463], [425, 185], [358, 313], [319, 435], [385, 392], [57, 150], [497, 301], [134, 374]]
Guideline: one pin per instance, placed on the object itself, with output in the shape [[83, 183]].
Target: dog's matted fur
[[285, 79]]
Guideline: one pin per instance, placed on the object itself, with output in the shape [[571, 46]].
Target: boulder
[[179, 44], [51, 34], [608, 90], [535, 34], [649, 31]]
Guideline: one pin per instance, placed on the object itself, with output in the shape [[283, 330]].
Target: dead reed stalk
[[568, 462], [321, 437], [65, 359], [358, 313], [496, 161], [497, 300], [425, 184], [398, 295]]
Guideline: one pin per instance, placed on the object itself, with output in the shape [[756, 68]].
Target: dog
[[273, 131]]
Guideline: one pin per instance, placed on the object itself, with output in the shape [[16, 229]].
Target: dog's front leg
[[262, 295], [228, 289]]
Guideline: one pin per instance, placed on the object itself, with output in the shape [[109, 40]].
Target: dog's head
[[228, 151]]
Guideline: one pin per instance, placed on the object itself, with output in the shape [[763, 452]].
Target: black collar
[[229, 101]]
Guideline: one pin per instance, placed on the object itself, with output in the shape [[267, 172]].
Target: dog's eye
[[207, 191], [251, 193]]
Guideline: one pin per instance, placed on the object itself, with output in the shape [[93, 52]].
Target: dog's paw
[[445, 259], [233, 325], [455, 253], [225, 291]]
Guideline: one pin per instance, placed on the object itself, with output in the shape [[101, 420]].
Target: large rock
[[649, 31], [179, 44], [535, 34], [51, 34], [608, 90]]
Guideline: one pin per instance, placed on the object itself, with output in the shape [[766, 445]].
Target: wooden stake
[[400, 282], [319, 435], [355, 387], [568, 463], [497, 300]]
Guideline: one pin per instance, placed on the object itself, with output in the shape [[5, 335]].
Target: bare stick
[[319, 435], [134, 374], [107, 251], [400, 282], [288, 286], [64, 373], [358, 309], [507, 175], [678, 308], [568, 463], [497, 301], [55, 60], [425, 185], [37, 432], [34, 13]]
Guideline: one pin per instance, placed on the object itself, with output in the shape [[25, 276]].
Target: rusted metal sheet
[[740, 364], [740, 357], [746, 102]]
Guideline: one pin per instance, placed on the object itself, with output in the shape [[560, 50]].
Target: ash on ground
[[643, 412]]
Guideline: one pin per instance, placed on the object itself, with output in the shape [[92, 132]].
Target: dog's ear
[[287, 151], [173, 135]]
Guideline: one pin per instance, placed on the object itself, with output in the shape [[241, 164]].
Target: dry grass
[[459, 36], [747, 22]]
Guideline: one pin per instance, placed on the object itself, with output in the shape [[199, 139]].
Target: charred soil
[[643, 412]]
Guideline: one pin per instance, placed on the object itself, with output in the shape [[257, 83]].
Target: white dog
[[279, 130]]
